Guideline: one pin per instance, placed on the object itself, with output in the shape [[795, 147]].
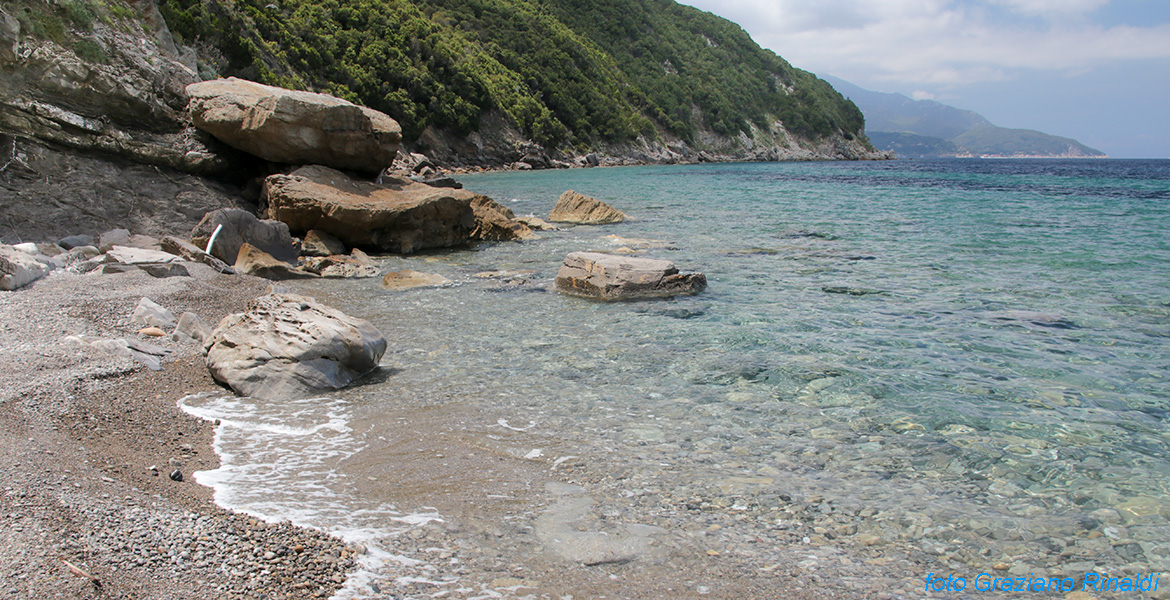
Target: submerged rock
[[287, 346], [572, 207], [294, 127], [398, 215], [609, 277], [408, 279]]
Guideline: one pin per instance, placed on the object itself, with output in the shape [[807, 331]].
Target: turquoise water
[[959, 362]]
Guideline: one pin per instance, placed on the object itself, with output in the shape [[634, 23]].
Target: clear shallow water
[[991, 387]]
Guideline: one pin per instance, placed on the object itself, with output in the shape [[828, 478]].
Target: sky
[[1094, 70]]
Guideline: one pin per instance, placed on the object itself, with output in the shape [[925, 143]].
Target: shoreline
[[84, 426]]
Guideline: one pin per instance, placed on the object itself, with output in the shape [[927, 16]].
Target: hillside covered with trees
[[570, 75]]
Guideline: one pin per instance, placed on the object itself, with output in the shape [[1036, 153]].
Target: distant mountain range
[[929, 129]]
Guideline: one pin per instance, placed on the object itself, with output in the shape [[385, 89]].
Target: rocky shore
[[91, 436]]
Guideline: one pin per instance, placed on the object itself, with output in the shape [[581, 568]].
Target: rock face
[[398, 215], [286, 346], [294, 127], [572, 207], [609, 277], [240, 227]]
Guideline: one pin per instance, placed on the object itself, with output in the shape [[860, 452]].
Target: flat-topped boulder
[[288, 346], [573, 207], [609, 277], [294, 127], [397, 215]]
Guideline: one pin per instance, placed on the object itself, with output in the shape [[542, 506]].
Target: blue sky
[[1094, 70]]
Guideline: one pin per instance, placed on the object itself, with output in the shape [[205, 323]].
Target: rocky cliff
[[93, 126], [95, 132]]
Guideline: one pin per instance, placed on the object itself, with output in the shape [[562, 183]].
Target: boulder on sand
[[398, 215], [287, 126], [609, 277], [572, 207], [18, 269], [290, 346], [254, 261], [239, 227]]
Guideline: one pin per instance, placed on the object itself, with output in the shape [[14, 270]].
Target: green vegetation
[[565, 71], [62, 21], [1001, 141]]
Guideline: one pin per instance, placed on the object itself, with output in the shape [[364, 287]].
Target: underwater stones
[[286, 345], [608, 277], [294, 127], [408, 279], [580, 209]]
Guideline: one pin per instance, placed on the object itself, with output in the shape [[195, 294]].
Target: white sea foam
[[279, 463]]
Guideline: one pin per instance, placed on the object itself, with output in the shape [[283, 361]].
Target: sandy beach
[[84, 515]]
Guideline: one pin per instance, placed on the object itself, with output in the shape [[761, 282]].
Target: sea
[[899, 371]]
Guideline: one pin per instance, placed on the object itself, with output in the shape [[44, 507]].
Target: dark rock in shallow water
[[803, 233], [852, 291]]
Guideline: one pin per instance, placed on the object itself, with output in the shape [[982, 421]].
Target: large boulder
[[397, 215], [294, 127], [240, 227], [495, 222], [18, 269], [288, 346], [610, 277], [572, 207]]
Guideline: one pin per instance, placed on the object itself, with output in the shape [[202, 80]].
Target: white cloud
[[921, 95], [939, 42]]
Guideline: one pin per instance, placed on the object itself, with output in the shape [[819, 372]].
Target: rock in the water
[[320, 243], [537, 224], [495, 222], [148, 313], [286, 345], [240, 226], [254, 261], [405, 280], [577, 208], [294, 127], [18, 269], [609, 277], [398, 215]]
